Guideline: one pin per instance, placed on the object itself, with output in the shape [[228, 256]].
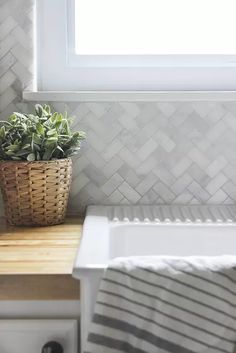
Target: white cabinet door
[[29, 336]]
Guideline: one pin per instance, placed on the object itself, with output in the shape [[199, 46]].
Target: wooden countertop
[[39, 250], [33, 258]]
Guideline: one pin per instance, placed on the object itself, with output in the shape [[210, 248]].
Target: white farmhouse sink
[[118, 231]]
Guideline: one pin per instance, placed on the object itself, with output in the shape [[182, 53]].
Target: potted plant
[[35, 166]]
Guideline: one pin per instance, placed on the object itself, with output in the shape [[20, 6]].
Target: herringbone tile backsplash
[[147, 153]]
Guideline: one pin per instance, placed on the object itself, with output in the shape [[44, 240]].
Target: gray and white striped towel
[[166, 304]]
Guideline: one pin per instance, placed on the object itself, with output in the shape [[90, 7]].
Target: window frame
[[139, 72]]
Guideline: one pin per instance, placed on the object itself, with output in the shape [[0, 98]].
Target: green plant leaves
[[40, 129], [31, 157], [52, 132], [38, 110], [42, 136], [2, 133], [20, 116]]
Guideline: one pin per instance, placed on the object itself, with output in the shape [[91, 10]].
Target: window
[[154, 27], [136, 44]]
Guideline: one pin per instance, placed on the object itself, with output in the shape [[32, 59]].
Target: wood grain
[[41, 287], [39, 250]]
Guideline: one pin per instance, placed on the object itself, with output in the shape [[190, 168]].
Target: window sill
[[122, 96]]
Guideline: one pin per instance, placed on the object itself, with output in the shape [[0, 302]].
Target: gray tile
[[149, 198], [96, 178], [164, 192], [218, 198], [198, 192], [216, 166], [181, 184], [129, 193], [216, 183], [129, 175], [147, 149], [230, 189], [146, 184], [181, 166], [112, 184]]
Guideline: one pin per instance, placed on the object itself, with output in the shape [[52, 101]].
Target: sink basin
[[120, 231]]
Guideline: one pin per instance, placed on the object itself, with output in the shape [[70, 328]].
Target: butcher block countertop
[[36, 262]]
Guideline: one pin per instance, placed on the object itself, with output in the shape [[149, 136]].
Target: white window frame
[[60, 69]]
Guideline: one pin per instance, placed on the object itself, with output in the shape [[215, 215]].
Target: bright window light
[[155, 27]]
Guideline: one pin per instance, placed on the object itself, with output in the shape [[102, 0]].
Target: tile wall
[[146, 153]]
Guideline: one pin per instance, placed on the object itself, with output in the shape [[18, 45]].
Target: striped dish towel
[[166, 304]]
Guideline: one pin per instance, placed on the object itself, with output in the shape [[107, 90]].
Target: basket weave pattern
[[35, 193]]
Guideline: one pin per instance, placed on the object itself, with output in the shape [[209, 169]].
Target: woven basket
[[35, 193]]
